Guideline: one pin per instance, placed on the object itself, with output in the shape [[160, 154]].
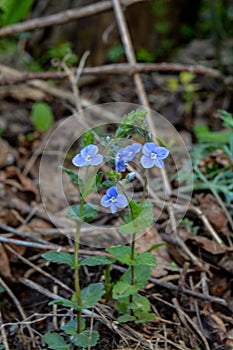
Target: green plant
[[138, 216], [188, 88], [8, 13], [116, 52], [42, 116]]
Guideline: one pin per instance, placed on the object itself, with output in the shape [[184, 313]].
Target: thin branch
[[20, 309], [37, 268], [116, 69], [4, 335], [130, 55], [61, 17]]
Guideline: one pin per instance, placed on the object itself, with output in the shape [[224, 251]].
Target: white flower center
[[130, 153], [88, 158], [153, 155], [113, 199]]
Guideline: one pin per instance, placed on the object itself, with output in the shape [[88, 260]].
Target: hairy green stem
[[107, 283], [76, 273]]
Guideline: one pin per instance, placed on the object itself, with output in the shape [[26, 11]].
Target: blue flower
[[153, 155], [113, 200], [88, 156], [125, 155]]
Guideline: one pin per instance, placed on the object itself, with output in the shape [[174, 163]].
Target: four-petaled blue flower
[[125, 155], [153, 155], [88, 156], [113, 200]]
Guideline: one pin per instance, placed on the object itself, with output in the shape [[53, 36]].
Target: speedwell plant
[[112, 187]]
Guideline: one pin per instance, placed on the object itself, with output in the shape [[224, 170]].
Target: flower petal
[[113, 208], [159, 163], [162, 152], [78, 160], [90, 150], [97, 159], [112, 192], [120, 165], [147, 162], [122, 201], [105, 201], [148, 148]]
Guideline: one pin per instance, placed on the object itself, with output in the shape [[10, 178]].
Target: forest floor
[[190, 291]]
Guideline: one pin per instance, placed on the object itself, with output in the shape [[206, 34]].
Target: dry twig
[[20, 309], [61, 17]]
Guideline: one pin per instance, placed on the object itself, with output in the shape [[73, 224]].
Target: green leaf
[[42, 116], [155, 246], [91, 294], [140, 303], [135, 120], [123, 289], [98, 179], [121, 253], [66, 303], [60, 258], [86, 338], [56, 342], [186, 77], [141, 221], [70, 328], [2, 290], [144, 259], [89, 212], [14, 11], [141, 275], [88, 138], [74, 177], [97, 260], [143, 316], [126, 318]]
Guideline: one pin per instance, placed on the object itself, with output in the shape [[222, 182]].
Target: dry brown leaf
[[16, 178], [5, 269], [145, 242], [214, 213]]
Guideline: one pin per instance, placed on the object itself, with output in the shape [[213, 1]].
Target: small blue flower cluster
[[153, 155]]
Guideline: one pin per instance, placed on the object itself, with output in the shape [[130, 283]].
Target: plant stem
[[107, 283], [132, 277], [76, 273]]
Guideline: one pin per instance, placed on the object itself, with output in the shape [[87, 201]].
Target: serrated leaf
[[143, 316], [70, 328], [126, 318], [74, 177], [56, 342], [121, 253], [140, 303], [91, 294], [42, 116], [143, 220], [97, 260], [123, 289], [141, 275], [89, 212], [144, 259], [60, 258], [85, 339]]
